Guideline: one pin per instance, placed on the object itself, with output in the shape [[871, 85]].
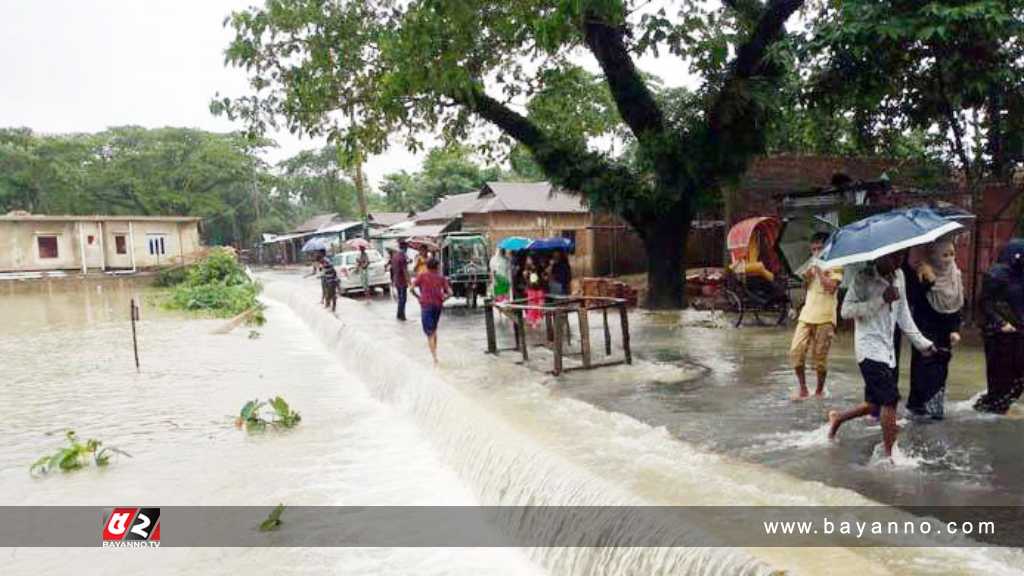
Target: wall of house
[[500, 225], [97, 242]]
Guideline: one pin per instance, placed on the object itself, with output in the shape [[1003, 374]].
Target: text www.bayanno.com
[[861, 529]]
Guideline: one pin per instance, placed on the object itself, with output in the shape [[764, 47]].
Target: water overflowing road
[[381, 426], [67, 364], [648, 443]]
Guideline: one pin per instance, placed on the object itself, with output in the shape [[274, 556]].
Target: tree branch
[[610, 186], [750, 10], [735, 117], [770, 27], [634, 100]]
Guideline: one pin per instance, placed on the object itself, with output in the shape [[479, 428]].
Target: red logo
[[131, 528]]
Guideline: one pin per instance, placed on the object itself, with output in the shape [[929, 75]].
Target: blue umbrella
[[881, 234], [314, 244], [514, 243], [556, 243]]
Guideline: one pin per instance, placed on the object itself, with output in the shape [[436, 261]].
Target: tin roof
[[25, 217]]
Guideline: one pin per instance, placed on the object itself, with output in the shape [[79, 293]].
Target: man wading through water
[[817, 323], [877, 303], [431, 289]]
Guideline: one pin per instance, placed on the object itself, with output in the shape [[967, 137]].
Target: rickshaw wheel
[[731, 306]]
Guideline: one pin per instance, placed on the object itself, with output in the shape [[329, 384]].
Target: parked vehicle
[[464, 261], [755, 284], [348, 275]]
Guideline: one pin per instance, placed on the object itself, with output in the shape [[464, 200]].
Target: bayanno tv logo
[[131, 528]]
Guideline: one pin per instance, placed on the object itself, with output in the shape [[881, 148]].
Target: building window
[[120, 244], [91, 239], [156, 244], [47, 247]]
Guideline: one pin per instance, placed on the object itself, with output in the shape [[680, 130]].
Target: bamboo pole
[[135, 341]]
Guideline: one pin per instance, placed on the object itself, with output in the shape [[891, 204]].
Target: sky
[[86, 65]]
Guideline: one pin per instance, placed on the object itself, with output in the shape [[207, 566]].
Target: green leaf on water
[[273, 521]]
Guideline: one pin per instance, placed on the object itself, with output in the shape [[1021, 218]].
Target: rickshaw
[[756, 283]]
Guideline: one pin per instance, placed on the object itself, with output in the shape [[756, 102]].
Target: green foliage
[[446, 171], [218, 285], [951, 68], [250, 415], [317, 181], [273, 521], [403, 70], [133, 170], [172, 276], [75, 456]]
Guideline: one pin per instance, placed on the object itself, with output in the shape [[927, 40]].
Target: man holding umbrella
[[877, 303]]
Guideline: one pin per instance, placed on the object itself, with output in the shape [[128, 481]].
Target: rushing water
[[381, 426], [67, 363]]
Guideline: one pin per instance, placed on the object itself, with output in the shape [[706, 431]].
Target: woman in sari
[[1002, 300], [935, 293], [534, 291]]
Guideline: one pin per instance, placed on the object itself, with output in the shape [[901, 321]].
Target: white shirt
[[499, 265], [875, 321]]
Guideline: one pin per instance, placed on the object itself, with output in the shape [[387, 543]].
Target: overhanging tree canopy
[[425, 66]]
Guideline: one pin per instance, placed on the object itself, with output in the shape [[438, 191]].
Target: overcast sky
[[85, 65]]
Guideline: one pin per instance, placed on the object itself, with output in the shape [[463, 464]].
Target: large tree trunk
[[665, 241]]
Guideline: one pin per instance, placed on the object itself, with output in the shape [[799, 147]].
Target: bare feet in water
[[833, 420], [802, 394]]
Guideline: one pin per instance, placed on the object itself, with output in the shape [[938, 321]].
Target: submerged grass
[[216, 285]]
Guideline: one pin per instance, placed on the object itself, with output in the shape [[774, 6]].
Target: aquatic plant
[[217, 285], [273, 521], [283, 413], [76, 455], [250, 416]]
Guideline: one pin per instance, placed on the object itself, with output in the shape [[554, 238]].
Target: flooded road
[[620, 430], [67, 363], [702, 418]]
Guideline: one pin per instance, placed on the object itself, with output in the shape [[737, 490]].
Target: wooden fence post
[[607, 333], [492, 337], [584, 320], [521, 325], [559, 321], [623, 316]]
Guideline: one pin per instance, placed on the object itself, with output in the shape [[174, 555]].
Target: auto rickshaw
[[464, 261]]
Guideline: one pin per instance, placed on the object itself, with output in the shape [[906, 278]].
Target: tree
[[317, 181], [953, 68], [447, 170], [426, 65], [132, 170]]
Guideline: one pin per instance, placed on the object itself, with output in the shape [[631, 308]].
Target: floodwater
[[702, 418], [67, 363]]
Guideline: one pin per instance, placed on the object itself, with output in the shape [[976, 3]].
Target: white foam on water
[[792, 440], [513, 442]]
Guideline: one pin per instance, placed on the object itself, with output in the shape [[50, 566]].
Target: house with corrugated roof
[[535, 210]]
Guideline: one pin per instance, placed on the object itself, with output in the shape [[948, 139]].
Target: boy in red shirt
[[431, 289]]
